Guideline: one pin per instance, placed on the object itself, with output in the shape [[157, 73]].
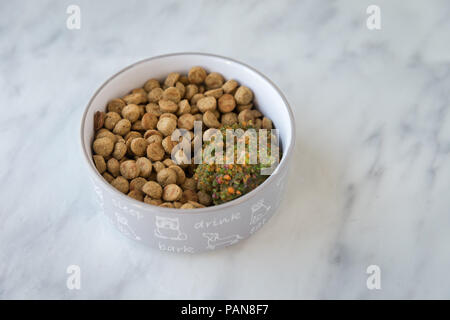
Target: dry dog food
[[132, 145]]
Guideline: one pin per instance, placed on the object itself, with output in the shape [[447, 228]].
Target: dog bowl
[[196, 230]]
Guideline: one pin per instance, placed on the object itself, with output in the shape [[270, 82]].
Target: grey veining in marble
[[371, 174]]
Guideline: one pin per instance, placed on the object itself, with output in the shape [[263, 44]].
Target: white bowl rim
[[152, 209]]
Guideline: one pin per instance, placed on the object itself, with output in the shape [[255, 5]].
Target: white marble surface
[[371, 173]]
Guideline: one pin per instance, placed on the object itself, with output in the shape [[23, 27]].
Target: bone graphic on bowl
[[169, 228], [124, 227], [215, 241], [259, 211]]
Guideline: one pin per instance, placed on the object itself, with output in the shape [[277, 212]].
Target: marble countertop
[[371, 172]]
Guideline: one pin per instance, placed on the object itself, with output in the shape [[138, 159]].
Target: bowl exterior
[[183, 233]]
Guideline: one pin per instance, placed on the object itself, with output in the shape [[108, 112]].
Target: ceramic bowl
[[196, 230]]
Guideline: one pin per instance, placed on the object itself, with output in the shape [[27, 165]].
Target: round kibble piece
[[246, 116], [103, 146], [188, 195], [189, 184], [186, 121], [121, 184], [108, 177], [122, 127], [155, 151], [155, 95], [166, 176], [135, 98], [153, 108], [116, 105], [166, 125], [196, 98], [266, 123], [120, 149], [183, 107], [149, 121], [129, 169], [172, 192], [204, 198], [214, 80], [158, 166], [216, 93], [156, 138], [230, 86], [151, 84], [168, 106], [152, 189], [139, 146], [229, 118], [210, 120], [100, 163], [145, 167], [181, 89], [226, 103], [137, 195], [131, 112], [137, 183], [197, 75], [207, 104], [243, 95], [105, 133], [113, 167], [172, 94], [181, 176], [191, 90], [111, 119], [168, 144], [171, 79]]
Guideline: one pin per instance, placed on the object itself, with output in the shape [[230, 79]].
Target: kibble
[[152, 189], [207, 104], [145, 167], [155, 151], [172, 192], [113, 166], [103, 146], [131, 112], [166, 176], [121, 184], [100, 163], [137, 183], [166, 125], [197, 75], [226, 103], [129, 169], [122, 127], [149, 121]]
